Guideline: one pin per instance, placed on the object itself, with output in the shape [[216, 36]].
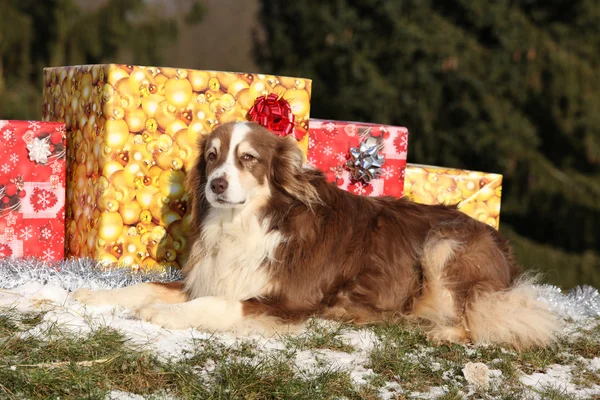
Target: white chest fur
[[237, 245]]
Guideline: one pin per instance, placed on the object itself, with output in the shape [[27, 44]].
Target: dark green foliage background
[[501, 86]]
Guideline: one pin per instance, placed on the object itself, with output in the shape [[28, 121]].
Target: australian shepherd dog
[[272, 243]]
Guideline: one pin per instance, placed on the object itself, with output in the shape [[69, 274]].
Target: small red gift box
[[374, 169], [32, 189]]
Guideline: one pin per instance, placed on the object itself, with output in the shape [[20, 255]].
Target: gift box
[[132, 134], [32, 189], [477, 194], [363, 158]]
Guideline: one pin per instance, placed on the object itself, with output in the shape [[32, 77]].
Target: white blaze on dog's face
[[236, 170]]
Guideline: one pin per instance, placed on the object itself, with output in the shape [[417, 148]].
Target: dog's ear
[[195, 182], [287, 174]]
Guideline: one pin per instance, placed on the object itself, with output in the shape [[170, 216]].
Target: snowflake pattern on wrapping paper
[[45, 233], [341, 157], [34, 125], [311, 142], [14, 158], [11, 219], [327, 150], [359, 189], [387, 172], [5, 251], [330, 127], [42, 199], [5, 168], [48, 255], [9, 234], [26, 233], [8, 135], [56, 167]]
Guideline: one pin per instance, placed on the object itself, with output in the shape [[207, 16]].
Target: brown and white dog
[[273, 243]]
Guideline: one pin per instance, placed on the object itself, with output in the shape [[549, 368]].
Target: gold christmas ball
[[108, 201], [165, 114], [110, 168], [80, 178], [107, 260], [116, 133], [226, 79], [175, 126], [485, 194], [158, 206], [149, 263], [133, 170], [165, 142], [245, 99], [259, 88], [116, 74], [236, 86], [198, 80], [164, 159], [136, 120], [175, 229], [178, 92], [86, 86], [299, 102], [169, 217], [110, 226], [171, 184], [145, 217], [130, 97], [150, 104], [145, 195], [130, 212], [155, 172]]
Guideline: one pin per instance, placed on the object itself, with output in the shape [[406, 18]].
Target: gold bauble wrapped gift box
[[477, 194], [131, 135]]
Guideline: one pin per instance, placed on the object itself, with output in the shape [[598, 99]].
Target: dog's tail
[[464, 298], [513, 317]]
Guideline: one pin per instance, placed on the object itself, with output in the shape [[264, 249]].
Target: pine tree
[[500, 86], [36, 34]]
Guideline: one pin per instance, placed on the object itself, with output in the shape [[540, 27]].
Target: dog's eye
[[248, 157], [211, 156]]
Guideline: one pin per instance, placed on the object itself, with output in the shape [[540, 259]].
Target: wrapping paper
[[329, 149], [478, 194], [32, 189], [131, 134]]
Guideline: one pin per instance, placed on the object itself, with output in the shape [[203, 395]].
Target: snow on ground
[[62, 310]]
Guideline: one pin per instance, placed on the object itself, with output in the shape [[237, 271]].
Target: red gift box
[[330, 144], [32, 189]]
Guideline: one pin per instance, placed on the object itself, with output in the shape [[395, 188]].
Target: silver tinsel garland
[[578, 303], [76, 273]]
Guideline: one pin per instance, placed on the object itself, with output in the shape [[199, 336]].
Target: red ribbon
[[275, 114]]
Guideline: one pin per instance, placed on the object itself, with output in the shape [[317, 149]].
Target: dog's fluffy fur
[[273, 243]]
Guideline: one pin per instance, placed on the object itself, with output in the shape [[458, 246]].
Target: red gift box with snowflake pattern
[[330, 145], [32, 189]]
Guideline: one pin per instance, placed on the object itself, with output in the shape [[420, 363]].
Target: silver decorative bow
[[365, 161]]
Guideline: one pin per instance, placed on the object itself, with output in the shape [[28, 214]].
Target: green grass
[[67, 366], [321, 335], [55, 364]]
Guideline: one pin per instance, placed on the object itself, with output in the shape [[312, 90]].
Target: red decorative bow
[[275, 114]]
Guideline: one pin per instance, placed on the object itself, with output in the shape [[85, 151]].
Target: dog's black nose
[[218, 185]]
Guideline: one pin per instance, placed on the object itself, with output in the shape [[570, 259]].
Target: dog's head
[[242, 163]]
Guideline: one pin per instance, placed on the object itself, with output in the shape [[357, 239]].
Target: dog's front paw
[[91, 297], [166, 316]]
